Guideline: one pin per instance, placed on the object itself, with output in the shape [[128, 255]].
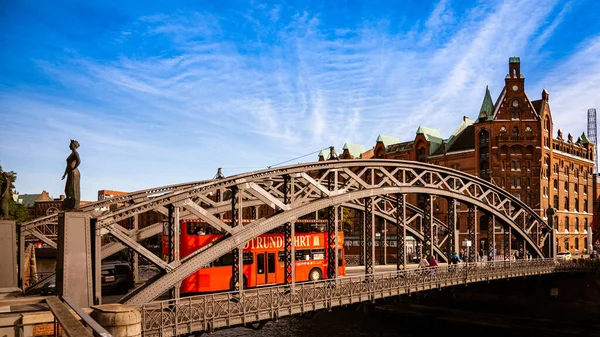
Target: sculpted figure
[[6, 195], [72, 189]]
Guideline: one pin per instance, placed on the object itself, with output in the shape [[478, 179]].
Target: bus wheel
[[315, 274]]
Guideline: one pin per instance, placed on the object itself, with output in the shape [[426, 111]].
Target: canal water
[[339, 322]]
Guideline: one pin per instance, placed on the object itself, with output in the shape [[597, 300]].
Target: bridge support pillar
[[237, 275], [8, 263], [74, 258], [133, 255], [400, 232], [428, 226], [288, 235], [451, 243], [174, 231], [472, 233], [369, 237], [491, 237], [506, 242]]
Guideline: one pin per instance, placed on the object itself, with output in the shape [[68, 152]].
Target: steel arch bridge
[[376, 187]]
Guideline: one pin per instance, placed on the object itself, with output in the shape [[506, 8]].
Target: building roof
[[433, 136], [368, 154], [429, 133], [27, 200], [324, 154], [355, 150], [537, 106], [514, 59], [400, 147], [487, 107], [585, 139], [387, 140]]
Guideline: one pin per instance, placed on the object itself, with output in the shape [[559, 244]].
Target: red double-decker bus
[[263, 257]]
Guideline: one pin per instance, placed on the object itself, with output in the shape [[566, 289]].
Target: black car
[[117, 278], [49, 288]]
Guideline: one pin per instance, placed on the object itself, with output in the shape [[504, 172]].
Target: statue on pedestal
[[6, 195], [72, 189]]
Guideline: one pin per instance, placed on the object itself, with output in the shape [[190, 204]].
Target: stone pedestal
[[74, 258], [119, 320], [8, 252]]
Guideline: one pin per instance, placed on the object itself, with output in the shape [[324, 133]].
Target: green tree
[[16, 212]]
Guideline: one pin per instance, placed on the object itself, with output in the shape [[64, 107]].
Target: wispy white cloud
[[205, 99]]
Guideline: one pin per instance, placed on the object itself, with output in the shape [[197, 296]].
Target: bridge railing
[[213, 311]]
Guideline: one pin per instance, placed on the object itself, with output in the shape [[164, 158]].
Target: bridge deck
[[214, 311]]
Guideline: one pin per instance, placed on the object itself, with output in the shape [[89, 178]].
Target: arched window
[[585, 205], [504, 149], [585, 223], [567, 223], [515, 131], [555, 184], [577, 243], [556, 201], [576, 188], [566, 205], [576, 205], [577, 224]]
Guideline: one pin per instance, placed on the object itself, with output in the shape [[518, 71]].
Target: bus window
[[270, 263], [260, 260], [197, 228], [318, 254], [227, 260], [303, 254], [248, 258]]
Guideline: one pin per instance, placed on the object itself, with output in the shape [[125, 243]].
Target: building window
[[545, 189], [566, 170], [566, 186], [567, 224], [503, 182], [584, 189], [515, 131], [576, 205], [577, 224], [566, 205], [556, 201], [556, 168], [555, 184], [515, 165], [516, 182], [585, 205], [585, 223], [576, 188], [529, 165], [528, 199], [503, 165]]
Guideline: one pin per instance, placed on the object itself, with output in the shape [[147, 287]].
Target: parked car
[[117, 278], [49, 288], [564, 255]]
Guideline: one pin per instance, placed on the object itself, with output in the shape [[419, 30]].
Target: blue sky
[[165, 92]]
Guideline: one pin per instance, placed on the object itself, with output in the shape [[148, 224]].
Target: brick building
[[510, 143]]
